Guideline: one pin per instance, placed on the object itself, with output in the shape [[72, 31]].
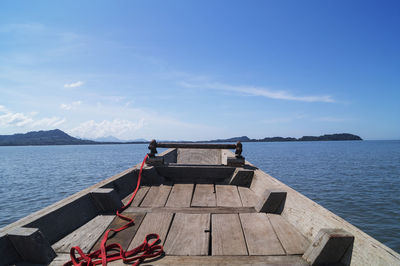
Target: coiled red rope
[[102, 256]]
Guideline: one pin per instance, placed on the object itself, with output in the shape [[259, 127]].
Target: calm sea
[[357, 180]]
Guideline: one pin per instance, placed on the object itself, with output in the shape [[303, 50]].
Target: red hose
[[145, 250]]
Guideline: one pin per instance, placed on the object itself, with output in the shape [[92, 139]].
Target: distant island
[[327, 137], [58, 137]]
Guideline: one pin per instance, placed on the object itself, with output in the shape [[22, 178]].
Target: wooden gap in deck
[[191, 199], [180, 196], [210, 238], [124, 237], [228, 196], [157, 196]]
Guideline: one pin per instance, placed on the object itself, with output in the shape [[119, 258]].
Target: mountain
[[58, 137], [138, 140], [108, 139], [235, 139], [49, 137], [328, 137], [342, 136]]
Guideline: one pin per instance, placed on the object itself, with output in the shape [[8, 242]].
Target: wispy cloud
[[70, 106], [25, 28], [330, 119], [48, 122], [16, 119], [74, 84], [260, 91], [116, 127]]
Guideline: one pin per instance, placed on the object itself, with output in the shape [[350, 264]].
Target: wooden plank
[[189, 235], [204, 196], [157, 223], [190, 210], [292, 241], [206, 146], [228, 196], [124, 237], [199, 156], [227, 235], [260, 236], [248, 197], [157, 196], [141, 193], [224, 260], [85, 236], [180, 196]]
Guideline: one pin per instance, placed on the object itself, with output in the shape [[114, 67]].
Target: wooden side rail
[[196, 145], [236, 161], [154, 145]]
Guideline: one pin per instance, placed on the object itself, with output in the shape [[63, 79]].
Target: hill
[[49, 137], [58, 137], [327, 137]]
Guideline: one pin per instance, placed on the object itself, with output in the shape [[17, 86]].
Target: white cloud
[[3, 109], [116, 127], [74, 84], [259, 91], [12, 119], [70, 106]]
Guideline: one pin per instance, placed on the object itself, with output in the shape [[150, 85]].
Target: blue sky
[[192, 70]]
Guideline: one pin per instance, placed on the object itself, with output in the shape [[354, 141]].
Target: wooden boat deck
[[208, 207], [197, 224]]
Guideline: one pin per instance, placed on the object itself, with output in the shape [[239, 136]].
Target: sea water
[[357, 180]]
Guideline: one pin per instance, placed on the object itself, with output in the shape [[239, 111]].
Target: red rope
[[101, 256]]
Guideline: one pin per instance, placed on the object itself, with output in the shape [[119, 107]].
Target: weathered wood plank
[[204, 196], [227, 235], [226, 260], [60, 260], [228, 196], [157, 223], [248, 197], [191, 210], [206, 146], [141, 193], [292, 241], [260, 236], [199, 156], [85, 236], [124, 237], [189, 235], [157, 196], [180, 196]]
